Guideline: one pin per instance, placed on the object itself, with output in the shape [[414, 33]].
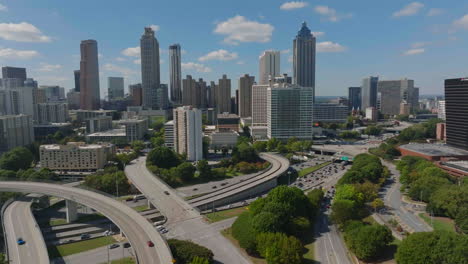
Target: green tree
[[138, 146], [184, 252], [163, 157], [43, 174], [272, 144], [367, 242], [278, 248], [198, 260], [425, 186], [244, 233], [109, 181], [344, 211], [185, 171], [7, 174], [260, 146], [377, 204], [372, 130], [461, 220], [204, 170], [244, 152], [16, 159], [157, 141]]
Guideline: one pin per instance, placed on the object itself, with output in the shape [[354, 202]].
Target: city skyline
[[48, 46]]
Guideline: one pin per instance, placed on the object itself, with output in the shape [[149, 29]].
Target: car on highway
[[114, 246], [85, 236], [150, 243], [166, 192], [20, 241], [127, 245]]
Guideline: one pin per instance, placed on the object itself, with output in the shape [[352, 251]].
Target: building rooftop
[[441, 150], [227, 115], [79, 145], [459, 164], [54, 125], [109, 133]]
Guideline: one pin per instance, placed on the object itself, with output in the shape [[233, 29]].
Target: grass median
[[439, 223], [80, 246], [225, 214], [309, 170]]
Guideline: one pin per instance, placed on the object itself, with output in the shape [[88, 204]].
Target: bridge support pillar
[[72, 211], [150, 205]]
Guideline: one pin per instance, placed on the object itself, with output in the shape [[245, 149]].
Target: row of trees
[[426, 182], [274, 225], [111, 181], [274, 145], [187, 252], [357, 191]]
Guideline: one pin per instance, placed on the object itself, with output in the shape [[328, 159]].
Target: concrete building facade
[[456, 102], [115, 87], [245, 95], [269, 66], [369, 92], [15, 131], [47, 113], [223, 95], [136, 93], [354, 98], [169, 134], [188, 135], [330, 113]]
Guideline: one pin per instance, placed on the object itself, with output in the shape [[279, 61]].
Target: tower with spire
[[304, 58]]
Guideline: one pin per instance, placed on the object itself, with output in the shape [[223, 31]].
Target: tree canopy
[[16, 159], [163, 157]]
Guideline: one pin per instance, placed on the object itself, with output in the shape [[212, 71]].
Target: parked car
[[126, 245]]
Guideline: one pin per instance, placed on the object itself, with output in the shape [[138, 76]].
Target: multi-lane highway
[[20, 223], [137, 229]]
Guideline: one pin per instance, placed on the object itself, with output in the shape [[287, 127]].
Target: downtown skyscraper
[[269, 66], [369, 92], [175, 73], [89, 76], [304, 58], [150, 68]]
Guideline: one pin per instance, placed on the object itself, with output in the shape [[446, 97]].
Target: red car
[[150, 244]]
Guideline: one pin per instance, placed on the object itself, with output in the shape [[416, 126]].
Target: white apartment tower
[[269, 66], [188, 134]]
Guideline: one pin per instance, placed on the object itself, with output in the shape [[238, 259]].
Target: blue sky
[[423, 40]]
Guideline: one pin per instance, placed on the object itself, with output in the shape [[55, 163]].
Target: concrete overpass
[[137, 229], [245, 189]]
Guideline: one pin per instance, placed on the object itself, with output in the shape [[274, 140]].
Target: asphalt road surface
[[135, 227], [20, 223]]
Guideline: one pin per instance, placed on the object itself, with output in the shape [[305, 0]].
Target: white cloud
[[3, 8], [409, 10], [318, 33], [192, 66], [221, 55], [131, 52], [239, 29], [293, 5], [137, 61], [462, 22], [45, 67], [22, 32], [122, 70], [7, 53], [120, 59], [413, 52], [155, 28], [330, 14], [421, 44], [435, 11], [328, 46]]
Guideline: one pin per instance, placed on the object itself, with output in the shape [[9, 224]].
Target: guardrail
[[4, 207]]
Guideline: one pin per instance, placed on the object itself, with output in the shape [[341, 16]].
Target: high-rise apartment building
[[354, 98], [18, 100], [14, 73], [456, 102], [441, 110], [15, 131], [150, 71], [136, 93], [393, 92], [188, 134], [76, 74], [304, 58], [189, 91], [73, 99], [115, 87], [223, 95], [53, 93], [162, 96], [259, 105], [245, 95], [90, 98], [175, 73], [290, 111], [369, 92], [211, 94], [269, 66], [47, 113]]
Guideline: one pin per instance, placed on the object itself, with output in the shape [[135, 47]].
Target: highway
[[20, 222], [329, 247], [137, 229], [183, 221], [279, 165]]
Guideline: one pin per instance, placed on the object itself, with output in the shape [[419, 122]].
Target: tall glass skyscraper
[[150, 68], [90, 98], [369, 92], [304, 58], [175, 74]]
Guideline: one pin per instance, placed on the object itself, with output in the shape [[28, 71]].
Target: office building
[[269, 66], [223, 95], [211, 95], [228, 122], [73, 99], [372, 114], [404, 108], [456, 102], [135, 129], [304, 58], [188, 133], [41, 132], [175, 73], [90, 98], [115, 87], [369, 92], [76, 74], [441, 109], [15, 101], [14, 73], [82, 115], [189, 91], [330, 113], [162, 96], [136, 93], [441, 132], [98, 124], [259, 105], [46, 113], [169, 134], [75, 156], [354, 98], [53, 93], [245, 95], [15, 131], [223, 139], [289, 111], [150, 72], [393, 92]]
